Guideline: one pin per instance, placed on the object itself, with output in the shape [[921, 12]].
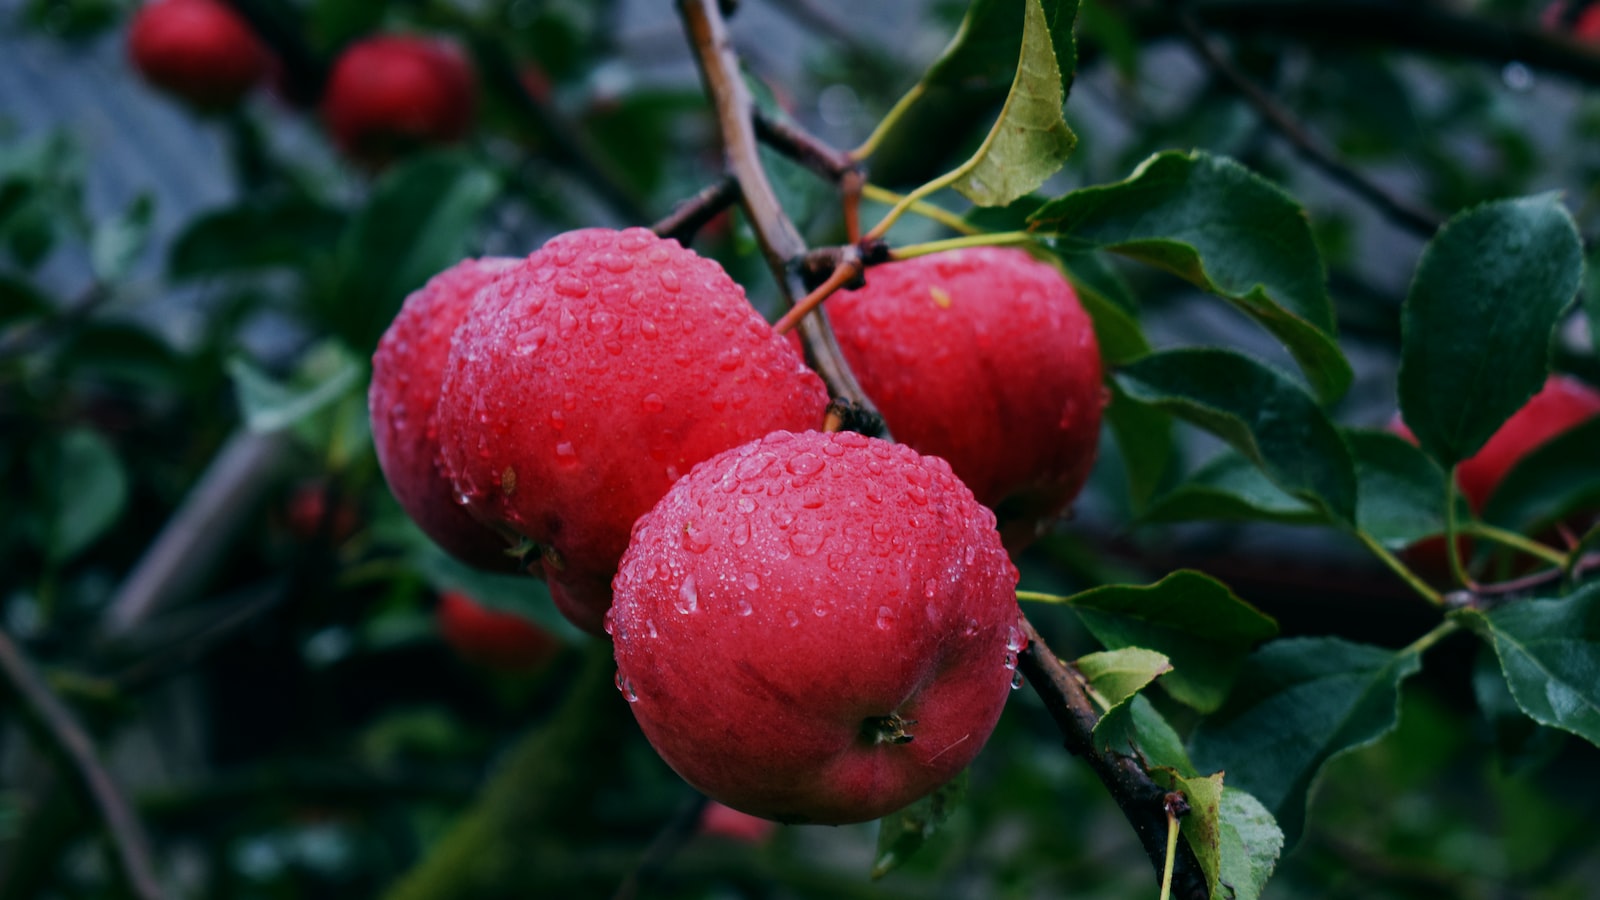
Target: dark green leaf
[[1298, 703], [116, 243], [123, 352], [1520, 741], [903, 833], [1030, 140], [1476, 325], [522, 595], [419, 222], [1136, 726], [259, 234], [1117, 675], [89, 487], [324, 378], [1400, 491], [1230, 488], [1556, 479], [1110, 305], [1224, 229], [1191, 618], [1144, 437], [1550, 653], [1260, 411], [1250, 843], [984, 51], [20, 300]]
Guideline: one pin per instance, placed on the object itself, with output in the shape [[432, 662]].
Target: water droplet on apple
[[609, 623], [805, 543], [1014, 640], [572, 287], [744, 608], [566, 453], [652, 403], [793, 617], [650, 625], [1016, 680], [739, 533], [972, 628], [626, 687], [751, 582], [669, 280], [688, 596], [930, 587], [885, 618]]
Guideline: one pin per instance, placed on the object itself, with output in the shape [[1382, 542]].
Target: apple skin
[[198, 50], [492, 639], [985, 357], [787, 597], [1561, 404], [390, 93], [596, 373], [723, 821], [407, 375]]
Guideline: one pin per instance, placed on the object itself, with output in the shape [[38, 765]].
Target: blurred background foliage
[[198, 550]]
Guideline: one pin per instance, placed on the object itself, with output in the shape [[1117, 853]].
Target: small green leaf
[[1117, 675], [117, 242], [1260, 411], [983, 54], [1030, 140], [322, 380], [88, 488], [903, 833], [1298, 703], [1202, 827], [1225, 230], [1191, 618], [1400, 491], [1144, 437], [521, 595], [1549, 651], [1250, 843], [1136, 727], [1556, 479], [1476, 326], [259, 234], [1110, 305], [1230, 488], [418, 223]]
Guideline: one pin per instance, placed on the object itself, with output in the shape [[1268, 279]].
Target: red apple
[[495, 640], [389, 93], [198, 50], [591, 377], [407, 374], [817, 627], [984, 357]]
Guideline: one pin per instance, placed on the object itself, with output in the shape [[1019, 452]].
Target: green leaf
[[521, 595], [1519, 741], [89, 490], [1400, 491], [1030, 140], [1260, 412], [1202, 827], [1556, 479], [1117, 675], [1299, 703], [418, 223], [901, 834], [259, 234], [325, 376], [1230, 488], [20, 301], [1549, 651], [1476, 326], [1110, 305], [1144, 437], [1249, 846], [1591, 301], [1224, 229], [116, 243], [1191, 618], [983, 54], [1136, 726]]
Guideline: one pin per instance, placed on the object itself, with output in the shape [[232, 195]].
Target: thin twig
[[781, 242], [787, 137], [1142, 801], [66, 738], [843, 276], [692, 213], [674, 834], [1395, 209]]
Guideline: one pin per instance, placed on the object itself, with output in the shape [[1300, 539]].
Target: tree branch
[[692, 214], [1142, 801], [1403, 213], [781, 242], [67, 740]]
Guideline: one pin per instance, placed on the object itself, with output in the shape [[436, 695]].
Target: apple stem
[[848, 274], [890, 729]]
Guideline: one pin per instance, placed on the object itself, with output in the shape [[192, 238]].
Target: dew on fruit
[[626, 687], [932, 611], [793, 617], [569, 401], [688, 596], [652, 403], [930, 587], [972, 628], [739, 532], [649, 330], [566, 323], [572, 287], [650, 626], [885, 619], [918, 495], [615, 263], [1016, 680], [744, 608], [1014, 640], [635, 239], [881, 532], [669, 281], [805, 543], [804, 464], [566, 453], [1010, 661], [695, 540], [529, 340], [558, 419], [821, 610], [745, 505], [751, 582], [609, 622], [972, 553]]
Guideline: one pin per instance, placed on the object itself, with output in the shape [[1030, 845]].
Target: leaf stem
[[1458, 571], [1439, 632], [899, 209], [1517, 542], [842, 276], [1399, 568], [927, 210], [991, 239], [1040, 597], [1172, 853], [887, 123]]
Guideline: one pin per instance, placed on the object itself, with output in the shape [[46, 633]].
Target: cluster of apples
[[809, 626], [384, 93]]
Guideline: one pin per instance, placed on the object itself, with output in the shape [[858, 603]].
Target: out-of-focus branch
[[1142, 801], [1402, 212], [59, 730], [781, 243], [692, 214]]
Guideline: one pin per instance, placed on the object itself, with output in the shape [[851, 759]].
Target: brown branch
[[781, 242], [67, 740], [692, 214], [1399, 211], [1142, 801]]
